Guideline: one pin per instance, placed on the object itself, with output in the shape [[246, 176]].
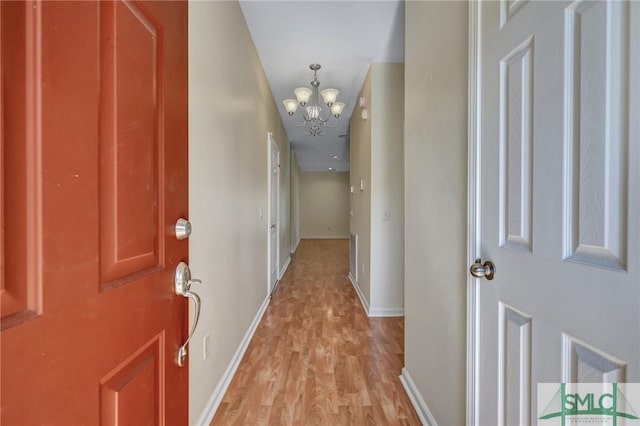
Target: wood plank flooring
[[316, 358]]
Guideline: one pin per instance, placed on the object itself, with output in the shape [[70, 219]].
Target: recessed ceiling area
[[345, 37]]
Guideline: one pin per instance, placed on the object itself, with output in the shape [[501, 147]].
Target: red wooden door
[[93, 133]]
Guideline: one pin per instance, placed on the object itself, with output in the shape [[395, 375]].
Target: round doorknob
[[483, 270], [183, 229]]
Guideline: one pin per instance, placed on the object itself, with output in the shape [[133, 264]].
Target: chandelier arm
[[299, 124], [328, 124], [312, 128], [331, 126], [324, 120]]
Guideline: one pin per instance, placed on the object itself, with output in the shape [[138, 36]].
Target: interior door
[[274, 213], [94, 159], [559, 200]]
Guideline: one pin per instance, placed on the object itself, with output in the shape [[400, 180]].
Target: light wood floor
[[316, 359]]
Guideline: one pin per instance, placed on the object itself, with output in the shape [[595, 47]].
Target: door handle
[[483, 270], [273, 226], [183, 283]]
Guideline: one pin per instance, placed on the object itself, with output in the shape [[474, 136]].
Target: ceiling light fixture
[[315, 119], [335, 157], [331, 169]]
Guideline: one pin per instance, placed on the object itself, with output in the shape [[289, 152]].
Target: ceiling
[[345, 37]]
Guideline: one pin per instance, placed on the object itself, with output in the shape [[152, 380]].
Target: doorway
[[273, 214]]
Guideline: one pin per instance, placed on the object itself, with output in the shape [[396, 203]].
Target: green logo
[[581, 402]]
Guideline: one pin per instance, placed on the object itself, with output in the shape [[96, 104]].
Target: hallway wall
[[387, 189], [360, 220], [324, 204], [378, 205], [435, 204], [231, 111]]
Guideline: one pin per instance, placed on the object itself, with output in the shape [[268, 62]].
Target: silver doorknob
[[483, 270], [273, 226], [182, 288], [183, 229]]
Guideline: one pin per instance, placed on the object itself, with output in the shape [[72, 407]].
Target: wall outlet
[[387, 215], [206, 346]]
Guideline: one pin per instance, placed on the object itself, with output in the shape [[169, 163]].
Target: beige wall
[[324, 204], [227, 188], [377, 158], [387, 194], [435, 204], [295, 202], [360, 157]]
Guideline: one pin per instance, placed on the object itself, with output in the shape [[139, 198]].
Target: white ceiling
[[345, 37]]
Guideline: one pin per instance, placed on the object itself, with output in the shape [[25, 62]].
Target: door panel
[[106, 104], [21, 176], [514, 365], [560, 189], [131, 154], [132, 393], [516, 147], [596, 143]]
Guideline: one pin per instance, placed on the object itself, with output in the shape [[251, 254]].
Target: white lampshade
[[329, 96], [290, 105], [336, 109], [303, 94], [313, 111]]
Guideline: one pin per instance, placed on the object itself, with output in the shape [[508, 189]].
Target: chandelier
[[315, 118]]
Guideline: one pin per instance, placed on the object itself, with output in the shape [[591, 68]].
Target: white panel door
[[274, 209], [559, 200]]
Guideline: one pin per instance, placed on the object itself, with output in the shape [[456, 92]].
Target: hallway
[[316, 358]]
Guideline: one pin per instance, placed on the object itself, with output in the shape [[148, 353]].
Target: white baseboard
[[293, 250], [386, 312], [363, 301], [284, 267], [327, 237], [416, 399], [216, 397], [374, 312]]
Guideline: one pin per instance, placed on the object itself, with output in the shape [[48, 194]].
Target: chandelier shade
[[316, 115], [329, 96], [303, 95], [336, 108], [291, 105]]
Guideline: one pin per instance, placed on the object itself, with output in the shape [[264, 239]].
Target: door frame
[[474, 204], [271, 145]]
